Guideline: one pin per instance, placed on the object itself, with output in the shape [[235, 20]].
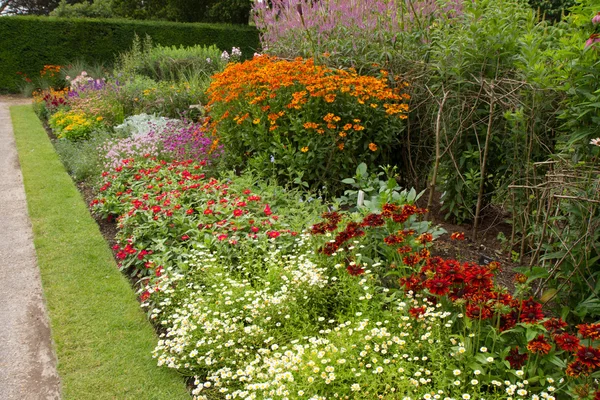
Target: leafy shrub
[[165, 98], [81, 158], [310, 121], [92, 9]]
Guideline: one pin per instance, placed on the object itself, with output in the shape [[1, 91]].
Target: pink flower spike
[[596, 19]]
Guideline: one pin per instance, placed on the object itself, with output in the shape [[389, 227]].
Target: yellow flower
[[100, 118], [304, 149], [372, 147], [256, 121], [341, 146]]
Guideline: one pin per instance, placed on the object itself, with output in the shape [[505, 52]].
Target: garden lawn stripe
[[103, 341]]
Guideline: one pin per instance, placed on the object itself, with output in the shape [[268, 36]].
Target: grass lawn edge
[[103, 340]]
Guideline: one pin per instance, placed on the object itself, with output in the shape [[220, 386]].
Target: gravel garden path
[[27, 359]]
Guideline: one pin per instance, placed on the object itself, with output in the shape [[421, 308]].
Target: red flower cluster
[[390, 212], [178, 199]]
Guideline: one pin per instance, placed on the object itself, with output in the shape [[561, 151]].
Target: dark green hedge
[[29, 43]]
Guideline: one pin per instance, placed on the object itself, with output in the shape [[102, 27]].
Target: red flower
[[190, 211], [255, 229], [539, 345], [457, 236], [416, 312], [589, 331], [355, 269], [208, 211], [531, 311], [438, 286], [411, 283], [479, 277], [577, 369], [411, 260], [222, 237], [425, 238], [515, 359], [145, 296], [185, 237], [273, 234], [567, 342], [478, 312], [267, 210], [237, 212], [373, 220], [555, 325], [589, 356]]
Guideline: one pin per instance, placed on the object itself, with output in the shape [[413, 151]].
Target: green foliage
[[85, 9], [169, 63], [81, 158], [552, 10], [29, 43], [227, 11]]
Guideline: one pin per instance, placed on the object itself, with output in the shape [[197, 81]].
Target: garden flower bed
[[264, 282]]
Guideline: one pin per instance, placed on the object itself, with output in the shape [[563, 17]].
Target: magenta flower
[[596, 19]]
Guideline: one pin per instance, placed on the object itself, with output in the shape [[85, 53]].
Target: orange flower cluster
[[50, 71], [263, 82]]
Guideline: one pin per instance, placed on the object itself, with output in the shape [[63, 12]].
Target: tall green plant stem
[[437, 154], [486, 147]]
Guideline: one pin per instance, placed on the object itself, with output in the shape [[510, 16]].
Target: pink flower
[[267, 210], [594, 38], [596, 19]]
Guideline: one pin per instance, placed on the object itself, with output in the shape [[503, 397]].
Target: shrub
[[304, 120], [29, 43]]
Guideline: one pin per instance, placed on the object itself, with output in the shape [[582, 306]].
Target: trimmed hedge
[[28, 43]]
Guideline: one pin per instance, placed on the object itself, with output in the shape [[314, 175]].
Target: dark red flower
[[577, 369], [555, 325], [566, 341], [539, 345], [531, 311], [589, 357], [481, 312], [516, 359], [267, 210], [355, 269], [373, 220], [411, 260], [411, 283]]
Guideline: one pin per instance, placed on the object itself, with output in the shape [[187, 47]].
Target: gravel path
[[27, 359]]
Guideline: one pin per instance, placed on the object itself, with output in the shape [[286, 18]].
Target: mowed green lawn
[[103, 340]]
